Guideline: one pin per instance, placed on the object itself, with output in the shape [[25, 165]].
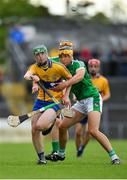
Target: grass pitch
[[18, 161]]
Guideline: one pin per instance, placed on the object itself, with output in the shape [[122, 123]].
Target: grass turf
[[18, 161]]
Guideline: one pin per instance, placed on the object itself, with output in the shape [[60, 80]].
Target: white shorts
[[89, 104]]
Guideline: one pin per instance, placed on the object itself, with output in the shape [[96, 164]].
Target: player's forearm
[[67, 91], [106, 97], [75, 79], [35, 87], [66, 99]]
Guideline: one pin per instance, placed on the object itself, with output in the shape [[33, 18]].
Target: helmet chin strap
[[43, 65]]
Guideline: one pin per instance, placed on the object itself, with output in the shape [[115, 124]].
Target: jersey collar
[[70, 63], [97, 75], [48, 65]]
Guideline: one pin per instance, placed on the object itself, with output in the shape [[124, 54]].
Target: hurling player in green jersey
[[89, 104]]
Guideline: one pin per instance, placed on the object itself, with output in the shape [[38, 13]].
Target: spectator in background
[[16, 35], [29, 32], [85, 54], [76, 54], [96, 52], [113, 64]]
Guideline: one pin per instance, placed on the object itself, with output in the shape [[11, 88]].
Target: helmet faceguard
[[40, 49], [66, 48], [64, 44]]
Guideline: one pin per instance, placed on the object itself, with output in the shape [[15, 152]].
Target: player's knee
[[39, 126], [62, 126], [93, 132], [34, 132]]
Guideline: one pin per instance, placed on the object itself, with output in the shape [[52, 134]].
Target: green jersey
[[84, 88], [55, 59]]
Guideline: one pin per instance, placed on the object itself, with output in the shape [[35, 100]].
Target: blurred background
[[98, 29]]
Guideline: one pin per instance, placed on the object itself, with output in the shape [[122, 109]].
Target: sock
[[55, 146], [40, 155], [62, 152], [113, 155], [81, 147]]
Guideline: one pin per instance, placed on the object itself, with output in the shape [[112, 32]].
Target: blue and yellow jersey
[[102, 84], [55, 73]]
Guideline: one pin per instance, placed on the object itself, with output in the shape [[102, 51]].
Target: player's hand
[[35, 88], [35, 78], [66, 101], [61, 86]]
